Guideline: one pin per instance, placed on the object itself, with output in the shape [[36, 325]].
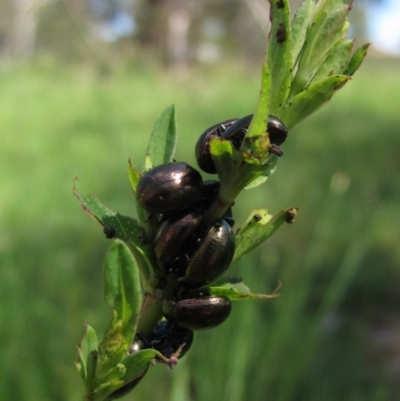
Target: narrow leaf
[[258, 228], [235, 294], [300, 24], [356, 60], [91, 369], [122, 227], [279, 54], [336, 62], [148, 163], [269, 169], [113, 348], [137, 363], [88, 344], [322, 35], [259, 121], [161, 147], [135, 366], [115, 373], [133, 175], [225, 157], [105, 390], [122, 287], [310, 99]]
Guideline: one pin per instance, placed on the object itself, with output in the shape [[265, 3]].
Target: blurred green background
[[333, 334]]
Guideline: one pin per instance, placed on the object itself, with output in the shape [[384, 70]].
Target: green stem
[[150, 314]]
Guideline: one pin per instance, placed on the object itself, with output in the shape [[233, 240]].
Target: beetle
[[202, 150], [276, 130], [174, 235], [169, 187], [168, 337], [198, 313], [177, 235], [235, 132], [212, 256]]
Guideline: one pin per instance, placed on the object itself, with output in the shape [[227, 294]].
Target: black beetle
[[178, 236], [277, 131], [202, 149], [168, 337], [169, 187], [212, 256], [235, 132], [174, 235], [198, 313]]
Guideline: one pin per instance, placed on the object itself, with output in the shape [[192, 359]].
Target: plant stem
[[150, 314]]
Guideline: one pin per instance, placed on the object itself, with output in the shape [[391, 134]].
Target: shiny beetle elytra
[[235, 130], [169, 187], [212, 256], [277, 131], [174, 235], [202, 150], [198, 313]]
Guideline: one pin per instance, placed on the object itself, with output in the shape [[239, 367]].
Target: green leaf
[[327, 5], [269, 169], [301, 21], [92, 364], [239, 292], [135, 367], [336, 62], [259, 121], [115, 373], [356, 60], [222, 153], [113, 348], [137, 363], [148, 163], [134, 176], [122, 289], [310, 99], [161, 147], [323, 34], [88, 344], [123, 227], [105, 390], [279, 55], [258, 228]]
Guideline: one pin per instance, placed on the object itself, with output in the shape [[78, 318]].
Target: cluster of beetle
[[190, 254]]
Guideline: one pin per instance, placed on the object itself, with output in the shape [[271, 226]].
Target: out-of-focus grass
[[323, 339]]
